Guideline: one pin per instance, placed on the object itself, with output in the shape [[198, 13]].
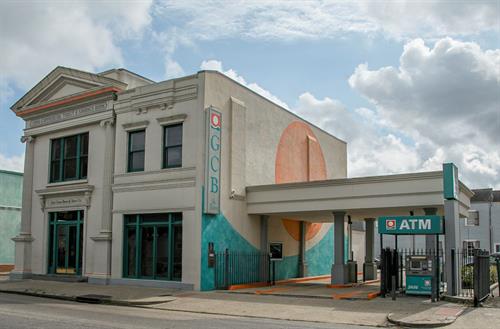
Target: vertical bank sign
[[451, 185], [212, 183]]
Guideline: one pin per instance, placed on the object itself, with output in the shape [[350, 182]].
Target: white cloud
[[447, 100], [172, 68], [37, 36], [287, 20], [13, 163], [217, 66]]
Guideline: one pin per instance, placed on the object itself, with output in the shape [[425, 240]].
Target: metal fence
[[481, 276], [233, 267], [465, 266]]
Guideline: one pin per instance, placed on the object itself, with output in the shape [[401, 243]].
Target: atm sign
[[410, 225]]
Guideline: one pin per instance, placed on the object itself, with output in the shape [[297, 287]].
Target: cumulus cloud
[[37, 36], [217, 66], [446, 98], [285, 20], [13, 163]]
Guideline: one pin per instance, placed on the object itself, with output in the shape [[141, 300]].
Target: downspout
[[490, 226]]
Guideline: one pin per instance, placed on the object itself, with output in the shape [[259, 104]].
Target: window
[[153, 246], [172, 146], [136, 147], [469, 246], [472, 219], [497, 248], [69, 158]]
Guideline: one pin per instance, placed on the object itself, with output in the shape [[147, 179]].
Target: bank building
[[130, 181]]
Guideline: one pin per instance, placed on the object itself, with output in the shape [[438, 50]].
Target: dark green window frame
[[136, 151], [60, 160], [134, 264], [169, 145]]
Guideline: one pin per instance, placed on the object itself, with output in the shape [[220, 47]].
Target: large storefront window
[[65, 242], [153, 246]]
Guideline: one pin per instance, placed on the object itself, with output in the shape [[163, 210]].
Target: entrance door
[[65, 242]]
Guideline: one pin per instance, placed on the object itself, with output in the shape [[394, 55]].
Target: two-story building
[[128, 181]]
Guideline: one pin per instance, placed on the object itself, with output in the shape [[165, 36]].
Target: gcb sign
[[212, 174], [410, 225]]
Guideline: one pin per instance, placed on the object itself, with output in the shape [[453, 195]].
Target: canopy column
[[339, 268], [369, 266]]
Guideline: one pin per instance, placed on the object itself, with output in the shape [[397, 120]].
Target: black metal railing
[[481, 276], [234, 267], [465, 267]]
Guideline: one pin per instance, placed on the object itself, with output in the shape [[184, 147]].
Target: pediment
[[62, 87], [62, 83]]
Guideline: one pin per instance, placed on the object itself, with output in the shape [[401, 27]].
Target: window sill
[[69, 182]]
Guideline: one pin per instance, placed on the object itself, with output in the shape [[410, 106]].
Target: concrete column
[[452, 241], [263, 233], [369, 267], [102, 246], [22, 267], [302, 251], [430, 240], [339, 268]]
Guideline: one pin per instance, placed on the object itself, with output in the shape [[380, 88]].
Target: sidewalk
[[353, 311]]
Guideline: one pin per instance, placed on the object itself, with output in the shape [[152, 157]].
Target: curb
[[77, 299], [390, 318]]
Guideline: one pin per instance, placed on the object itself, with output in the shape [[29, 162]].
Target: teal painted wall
[[10, 213], [217, 229]]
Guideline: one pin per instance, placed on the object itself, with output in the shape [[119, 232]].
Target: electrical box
[[419, 274]]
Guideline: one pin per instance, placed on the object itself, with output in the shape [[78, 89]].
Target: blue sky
[[409, 85]]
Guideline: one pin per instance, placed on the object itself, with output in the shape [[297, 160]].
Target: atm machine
[[419, 274]]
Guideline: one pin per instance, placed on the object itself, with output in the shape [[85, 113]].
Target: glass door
[[65, 242]]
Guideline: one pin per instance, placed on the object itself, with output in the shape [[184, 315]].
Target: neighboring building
[[481, 229], [128, 181], [10, 215]]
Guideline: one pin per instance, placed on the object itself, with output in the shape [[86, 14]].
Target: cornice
[[348, 181]]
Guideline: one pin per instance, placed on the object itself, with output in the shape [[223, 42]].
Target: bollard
[[498, 274], [393, 287]]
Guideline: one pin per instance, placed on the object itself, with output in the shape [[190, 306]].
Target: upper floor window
[[69, 158], [172, 146], [136, 150], [472, 219]]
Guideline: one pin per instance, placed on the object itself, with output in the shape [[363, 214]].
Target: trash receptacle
[[352, 270]]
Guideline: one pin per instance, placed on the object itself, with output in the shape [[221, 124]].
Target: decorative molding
[[65, 196], [2, 207], [107, 122], [178, 118], [158, 98], [76, 112], [152, 211], [27, 139], [135, 125], [161, 171], [152, 186]]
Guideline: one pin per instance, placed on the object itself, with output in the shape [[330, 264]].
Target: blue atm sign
[[410, 225]]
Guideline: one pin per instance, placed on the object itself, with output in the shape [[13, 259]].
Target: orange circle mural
[[299, 158]]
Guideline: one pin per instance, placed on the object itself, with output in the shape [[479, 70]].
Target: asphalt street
[[18, 311]]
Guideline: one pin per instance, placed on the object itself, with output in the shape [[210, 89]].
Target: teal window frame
[[138, 222], [166, 146], [52, 255], [81, 155], [131, 152]]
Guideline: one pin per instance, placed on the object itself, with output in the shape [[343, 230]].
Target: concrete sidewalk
[[354, 311]]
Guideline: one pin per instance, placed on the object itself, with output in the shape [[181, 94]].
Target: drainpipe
[[490, 226]]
